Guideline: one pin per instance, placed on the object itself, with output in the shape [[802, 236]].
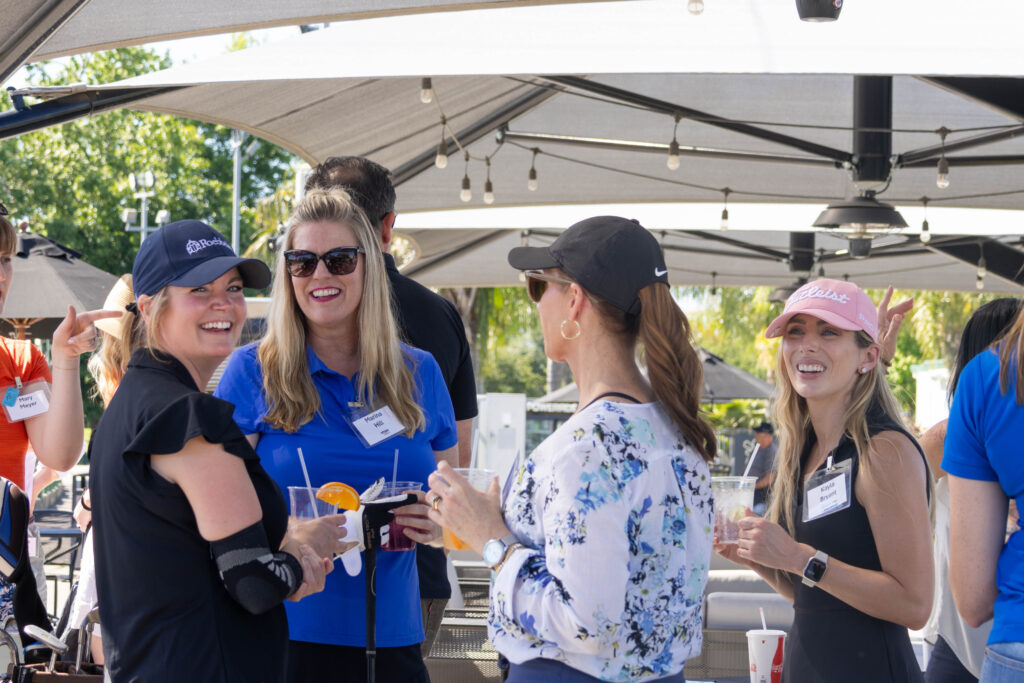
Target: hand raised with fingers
[[77, 334], [889, 322]]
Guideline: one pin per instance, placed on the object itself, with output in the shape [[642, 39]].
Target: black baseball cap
[[609, 256], [189, 254], [765, 428]]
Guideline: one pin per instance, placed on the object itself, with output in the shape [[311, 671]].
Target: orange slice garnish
[[339, 495]]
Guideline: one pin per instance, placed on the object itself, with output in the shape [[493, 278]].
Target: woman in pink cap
[[847, 537]]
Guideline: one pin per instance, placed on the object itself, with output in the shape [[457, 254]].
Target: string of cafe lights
[[428, 94]]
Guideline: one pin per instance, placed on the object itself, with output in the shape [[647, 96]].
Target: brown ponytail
[[674, 367]]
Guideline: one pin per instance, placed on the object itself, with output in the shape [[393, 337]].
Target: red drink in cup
[[397, 540]]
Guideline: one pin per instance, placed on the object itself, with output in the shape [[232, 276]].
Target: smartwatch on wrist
[[496, 549], [815, 569]]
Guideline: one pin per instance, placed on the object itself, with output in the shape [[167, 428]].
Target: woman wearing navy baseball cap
[[193, 551]]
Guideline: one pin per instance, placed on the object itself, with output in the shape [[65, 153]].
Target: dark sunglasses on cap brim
[[537, 281], [339, 261]]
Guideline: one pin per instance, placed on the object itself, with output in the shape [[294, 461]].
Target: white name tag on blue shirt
[[377, 426]]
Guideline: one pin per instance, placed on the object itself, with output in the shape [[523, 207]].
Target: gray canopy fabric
[[765, 105], [47, 278], [722, 382], [34, 30]]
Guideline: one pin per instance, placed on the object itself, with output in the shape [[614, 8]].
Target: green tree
[[70, 182]]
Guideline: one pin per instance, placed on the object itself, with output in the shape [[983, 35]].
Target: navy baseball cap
[[609, 256], [189, 254]]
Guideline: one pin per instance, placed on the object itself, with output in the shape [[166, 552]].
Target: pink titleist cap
[[839, 303]]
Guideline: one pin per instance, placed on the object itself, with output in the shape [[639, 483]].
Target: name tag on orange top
[[33, 399]]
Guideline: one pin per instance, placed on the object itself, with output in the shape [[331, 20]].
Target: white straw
[[309, 486], [394, 474], [757, 448], [764, 624]]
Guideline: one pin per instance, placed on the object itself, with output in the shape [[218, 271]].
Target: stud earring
[[863, 371]]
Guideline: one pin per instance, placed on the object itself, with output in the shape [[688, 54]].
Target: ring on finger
[[435, 502]]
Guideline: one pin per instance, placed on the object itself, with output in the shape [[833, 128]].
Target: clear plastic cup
[[304, 502], [479, 479], [765, 648], [733, 495], [396, 539]]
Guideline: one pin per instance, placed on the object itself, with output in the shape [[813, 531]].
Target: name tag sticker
[[827, 491], [32, 400], [376, 426]]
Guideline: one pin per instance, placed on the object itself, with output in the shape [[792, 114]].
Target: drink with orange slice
[[479, 479]]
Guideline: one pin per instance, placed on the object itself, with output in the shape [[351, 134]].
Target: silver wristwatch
[[496, 549]]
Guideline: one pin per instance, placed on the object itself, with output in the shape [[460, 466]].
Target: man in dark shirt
[[427, 321], [764, 465]]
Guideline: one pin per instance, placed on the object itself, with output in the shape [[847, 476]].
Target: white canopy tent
[[766, 106], [34, 30]]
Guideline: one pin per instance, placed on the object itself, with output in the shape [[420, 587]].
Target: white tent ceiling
[[750, 61], [34, 30]]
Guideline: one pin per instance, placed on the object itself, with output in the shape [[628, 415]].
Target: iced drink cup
[[765, 648], [396, 539], [306, 505], [733, 495], [479, 479]]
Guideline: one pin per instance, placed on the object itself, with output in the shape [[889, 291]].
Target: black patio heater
[[819, 10]]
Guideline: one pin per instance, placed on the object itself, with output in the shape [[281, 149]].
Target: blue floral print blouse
[[614, 511]]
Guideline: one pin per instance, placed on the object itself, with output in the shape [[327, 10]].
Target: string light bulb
[[982, 271], [488, 186], [426, 91], [942, 173], [531, 182], [926, 234], [695, 6], [942, 169], [466, 194], [673, 149], [724, 225], [441, 160]]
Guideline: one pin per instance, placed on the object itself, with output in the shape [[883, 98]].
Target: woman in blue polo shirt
[[982, 457], [331, 354]]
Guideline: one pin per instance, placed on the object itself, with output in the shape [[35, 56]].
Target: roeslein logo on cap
[[813, 291], [193, 246]]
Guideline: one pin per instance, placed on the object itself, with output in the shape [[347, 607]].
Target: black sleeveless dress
[[830, 641]]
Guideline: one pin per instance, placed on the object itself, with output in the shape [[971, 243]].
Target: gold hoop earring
[[566, 337]]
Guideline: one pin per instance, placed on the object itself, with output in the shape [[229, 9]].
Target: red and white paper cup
[[765, 647]]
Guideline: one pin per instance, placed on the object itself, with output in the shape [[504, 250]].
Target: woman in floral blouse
[[600, 546]]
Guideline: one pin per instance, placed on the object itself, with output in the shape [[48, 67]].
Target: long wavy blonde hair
[[794, 422], [385, 376]]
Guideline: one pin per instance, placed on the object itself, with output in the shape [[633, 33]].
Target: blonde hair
[[793, 421], [1010, 348], [147, 329], [384, 372]]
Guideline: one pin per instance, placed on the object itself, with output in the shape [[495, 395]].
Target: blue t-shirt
[[983, 443], [333, 452]]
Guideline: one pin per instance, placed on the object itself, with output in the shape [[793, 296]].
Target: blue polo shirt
[[333, 452], [983, 443]]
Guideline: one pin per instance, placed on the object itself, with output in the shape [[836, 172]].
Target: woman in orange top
[[41, 407]]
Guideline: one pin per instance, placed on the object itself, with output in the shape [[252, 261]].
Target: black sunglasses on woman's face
[[339, 261], [537, 281]]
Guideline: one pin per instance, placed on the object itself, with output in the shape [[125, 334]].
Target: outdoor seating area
[[305, 306]]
